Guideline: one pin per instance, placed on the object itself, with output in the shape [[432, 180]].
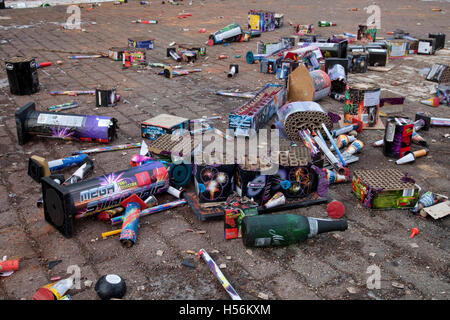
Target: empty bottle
[[285, 229]]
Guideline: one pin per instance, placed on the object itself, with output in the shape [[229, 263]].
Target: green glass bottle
[[326, 24], [285, 229]]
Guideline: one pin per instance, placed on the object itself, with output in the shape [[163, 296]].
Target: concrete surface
[[330, 266]]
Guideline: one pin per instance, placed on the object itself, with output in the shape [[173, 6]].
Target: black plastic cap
[[21, 117]]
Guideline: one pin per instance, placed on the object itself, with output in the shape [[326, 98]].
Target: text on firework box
[[163, 124]]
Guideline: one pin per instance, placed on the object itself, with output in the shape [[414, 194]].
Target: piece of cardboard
[[379, 126], [300, 85], [439, 210]]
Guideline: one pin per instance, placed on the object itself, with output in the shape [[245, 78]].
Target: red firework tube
[[43, 64], [133, 206], [9, 265], [63, 204], [161, 207]]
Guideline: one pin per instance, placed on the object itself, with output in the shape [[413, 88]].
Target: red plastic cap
[[43, 294], [134, 198], [335, 209]]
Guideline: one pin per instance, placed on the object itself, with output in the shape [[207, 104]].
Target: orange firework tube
[[9, 265], [334, 177], [343, 140], [133, 206], [411, 156]]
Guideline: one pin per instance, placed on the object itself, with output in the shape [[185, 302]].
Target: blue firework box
[[254, 114], [141, 44]]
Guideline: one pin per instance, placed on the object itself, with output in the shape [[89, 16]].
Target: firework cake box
[[295, 178], [385, 189], [214, 180], [253, 180], [163, 124], [235, 211]]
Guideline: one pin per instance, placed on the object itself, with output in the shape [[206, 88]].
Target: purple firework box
[[30, 122], [251, 181], [213, 182]]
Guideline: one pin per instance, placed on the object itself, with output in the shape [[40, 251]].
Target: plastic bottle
[[326, 24]]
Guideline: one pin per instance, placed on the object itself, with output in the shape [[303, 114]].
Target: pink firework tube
[[152, 210], [218, 274], [133, 206]]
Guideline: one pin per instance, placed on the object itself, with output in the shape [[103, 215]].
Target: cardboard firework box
[[133, 58], [163, 124], [214, 182], [235, 211], [295, 178], [257, 112], [251, 180], [384, 189], [262, 21]]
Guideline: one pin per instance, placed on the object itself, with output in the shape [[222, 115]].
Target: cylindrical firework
[[342, 141], [175, 192], [64, 203], [357, 125], [108, 214], [9, 265], [54, 291], [110, 148], [426, 200], [133, 206], [362, 102], [277, 200], [322, 84], [64, 106], [93, 56], [411, 156], [172, 52], [80, 173], [378, 143], [38, 167], [72, 92], [330, 137], [105, 97], [300, 115], [218, 274], [334, 177], [355, 147], [338, 78], [418, 139], [155, 209], [230, 33], [397, 138], [30, 122], [234, 68], [22, 75]]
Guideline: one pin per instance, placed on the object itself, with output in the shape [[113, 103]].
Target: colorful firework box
[[133, 58], [251, 182], [235, 211], [262, 21], [366, 33], [163, 124], [362, 102], [309, 56], [384, 189], [397, 138], [63, 204], [330, 48], [295, 178], [213, 182], [398, 48], [169, 144], [141, 44], [257, 112]]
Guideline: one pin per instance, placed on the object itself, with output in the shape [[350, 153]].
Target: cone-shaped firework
[[334, 177], [355, 147], [276, 200], [411, 156], [342, 141], [434, 102], [417, 139]]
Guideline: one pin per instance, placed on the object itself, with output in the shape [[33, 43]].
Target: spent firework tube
[[64, 106], [38, 167], [426, 200], [130, 223], [54, 291], [108, 214], [43, 64], [228, 33], [218, 274], [355, 147], [172, 52], [330, 137], [234, 68], [155, 209], [175, 192], [72, 92], [246, 95], [277, 200], [81, 172], [342, 141], [334, 177], [110, 148], [378, 143], [30, 122], [9, 265], [85, 56], [411, 156], [63, 204], [355, 126]]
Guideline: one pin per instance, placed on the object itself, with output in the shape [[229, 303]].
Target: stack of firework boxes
[[135, 55]]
